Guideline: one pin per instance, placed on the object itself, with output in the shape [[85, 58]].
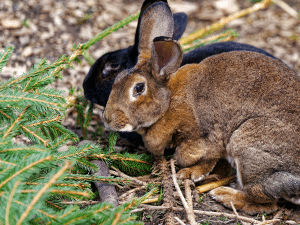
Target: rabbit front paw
[[191, 172], [239, 199]]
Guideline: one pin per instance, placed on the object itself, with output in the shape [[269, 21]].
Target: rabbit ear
[[145, 6], [180, 22], [156, 21], [166, 57]]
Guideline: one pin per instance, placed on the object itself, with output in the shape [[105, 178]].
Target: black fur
[[203, 52]]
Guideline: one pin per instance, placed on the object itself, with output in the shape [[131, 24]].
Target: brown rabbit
[[242, 106]]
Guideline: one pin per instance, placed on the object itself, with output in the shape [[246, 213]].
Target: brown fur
[[242, 106]]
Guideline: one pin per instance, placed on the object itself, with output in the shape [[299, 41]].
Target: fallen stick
[[81, 203], [213, 185], [231, 35], [179, 220], [167, 186], [269, 221], [287, 8], [150, 200], [207, 213], [120, 174], [107, 192], [188, 193], [221, 23], [131, 191], [189, 211]]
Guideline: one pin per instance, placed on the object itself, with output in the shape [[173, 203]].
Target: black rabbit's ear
[[145, 6], [180, 22], [166, 57], [156, 21]]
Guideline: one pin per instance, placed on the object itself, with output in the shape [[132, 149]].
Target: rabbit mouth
[[124, 128], [116, 124], [127, 128]]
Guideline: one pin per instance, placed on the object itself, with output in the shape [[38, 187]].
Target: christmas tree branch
[[42, 191]]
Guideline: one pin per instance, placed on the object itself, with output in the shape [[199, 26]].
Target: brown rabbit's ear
[[157, 20], [166, 57]]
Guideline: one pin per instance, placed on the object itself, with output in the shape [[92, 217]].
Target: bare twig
[[149, 207], [81, 203], [269, 221], [234, 209], [107, 192], [189, 212], [221, 23], [151, 200], [167, 185], [278, 215], [231, 216], [207, 213], [188, 193], [179, 220], [213, 185], [120, 174], [290, 222], [286, 8], [230, 34], [131, 191]]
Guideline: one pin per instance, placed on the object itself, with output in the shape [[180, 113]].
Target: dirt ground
[[49, 28]]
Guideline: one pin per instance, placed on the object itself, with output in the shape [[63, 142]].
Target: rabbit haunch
[[239, 105]]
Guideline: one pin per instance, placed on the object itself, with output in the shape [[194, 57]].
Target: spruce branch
[[10, 200], [110, 30], [38, 137], [110, 180], [5, 56], [9, 163], [24, 169], [43, 190], [16, 121]]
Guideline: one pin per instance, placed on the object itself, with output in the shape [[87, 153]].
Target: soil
[[49, 28]]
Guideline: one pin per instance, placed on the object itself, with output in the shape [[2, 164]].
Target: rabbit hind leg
[[251, 199], [284, 185], [241, 201]]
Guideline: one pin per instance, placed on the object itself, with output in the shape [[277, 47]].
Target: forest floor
[[48, 28]]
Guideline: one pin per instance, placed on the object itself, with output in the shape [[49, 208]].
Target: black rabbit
[[98, 82]]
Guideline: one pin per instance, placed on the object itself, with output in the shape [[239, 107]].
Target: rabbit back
[[231, 87]]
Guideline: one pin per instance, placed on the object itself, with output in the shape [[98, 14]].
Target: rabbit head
[[98, 82], [140, 95]]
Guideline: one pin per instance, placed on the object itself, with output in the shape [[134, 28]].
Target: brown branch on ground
[[107, 192], [83, 203], [207, 213], [188, 192], [213, 185], [179, 220], [117, 172], [287, 8], [124, 195], [189, 211], [221, 23], [163, 166]]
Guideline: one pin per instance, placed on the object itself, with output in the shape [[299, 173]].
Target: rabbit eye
[[114, 66], [139, 88], [108, 68]]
